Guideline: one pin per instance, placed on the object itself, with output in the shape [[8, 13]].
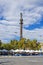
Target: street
[[21, 60]]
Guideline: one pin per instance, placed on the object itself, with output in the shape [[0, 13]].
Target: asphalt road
[[21, 60]]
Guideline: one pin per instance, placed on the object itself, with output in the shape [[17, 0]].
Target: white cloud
[[10, 9], [33, 34]]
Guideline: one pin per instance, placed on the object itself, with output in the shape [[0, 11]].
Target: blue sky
[[32, 18]]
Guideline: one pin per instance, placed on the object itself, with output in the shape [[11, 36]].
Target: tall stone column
[[21, 25]]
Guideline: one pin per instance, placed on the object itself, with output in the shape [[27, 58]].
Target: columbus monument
[[21, 25]]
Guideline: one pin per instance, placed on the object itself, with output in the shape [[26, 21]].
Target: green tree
[[0, 44], [14, 44]]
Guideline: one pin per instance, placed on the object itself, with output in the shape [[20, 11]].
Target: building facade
[[42, 46]]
